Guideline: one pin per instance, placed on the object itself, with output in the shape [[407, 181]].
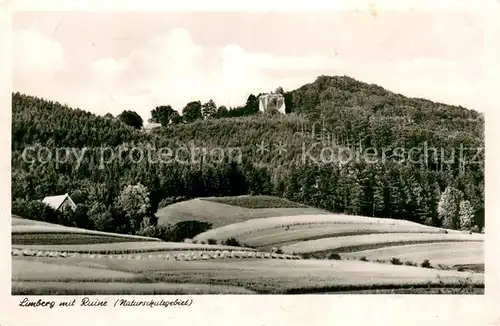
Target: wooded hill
[[329, 114]]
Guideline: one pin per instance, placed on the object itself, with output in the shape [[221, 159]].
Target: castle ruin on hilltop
[[272, 101]]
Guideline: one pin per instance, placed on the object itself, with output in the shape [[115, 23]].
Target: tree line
[[194, 111]]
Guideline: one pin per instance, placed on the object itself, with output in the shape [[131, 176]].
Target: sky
[[107, 62]]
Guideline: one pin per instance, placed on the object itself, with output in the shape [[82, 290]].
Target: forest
[[333, 115]]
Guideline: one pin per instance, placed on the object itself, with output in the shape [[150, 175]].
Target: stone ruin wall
[[272, 102]]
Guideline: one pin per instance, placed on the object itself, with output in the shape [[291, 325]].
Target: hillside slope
[[31, 232], [275, 155], [214, 211], [344, 91]]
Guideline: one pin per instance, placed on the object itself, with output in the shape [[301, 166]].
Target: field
[[93, 288], [301, 227], [126, 247], [29, 270], [367, 241], [286, 249], [447, 253], [275, 276], [27, 232], [256, 202], [17, 220], [220, 212]]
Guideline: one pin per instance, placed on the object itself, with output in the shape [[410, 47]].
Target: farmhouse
[[272, 101], [60, 203]]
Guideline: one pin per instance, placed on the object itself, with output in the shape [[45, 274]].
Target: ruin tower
[[270, 101]]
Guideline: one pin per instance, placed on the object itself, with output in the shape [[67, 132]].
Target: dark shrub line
[[426, 264]]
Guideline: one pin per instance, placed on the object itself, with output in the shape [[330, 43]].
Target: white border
[[271, 310]]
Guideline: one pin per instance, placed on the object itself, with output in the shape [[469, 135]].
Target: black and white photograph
[[247, 153]]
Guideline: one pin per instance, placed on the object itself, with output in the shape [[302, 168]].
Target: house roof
[[56, 201]]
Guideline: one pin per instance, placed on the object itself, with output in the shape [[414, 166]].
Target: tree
[[288, 103], [176, 118], [292, 184], [133, 202], [80, 217], [192, 111], [101, 217], [222, 112], [34, 210], [355, 196], [448, 208], [466, 214], [162, 114], [77, 196], [258, 179], [252, 105], [131, 118], [209, 110], [326, 96], [378, 204], [433, 197], [395, 197], [420, 205]]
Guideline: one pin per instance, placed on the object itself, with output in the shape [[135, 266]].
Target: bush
[[279, 251], [188, 229], [232, 242], [465, 284], [334, 256], [426, 264], [307, 255], [78, 218], [147, 231], [396, 261], [460, 269], [443, 267], [409, 263], [34, 210], [181, 232], [363, 258], [212, 241]]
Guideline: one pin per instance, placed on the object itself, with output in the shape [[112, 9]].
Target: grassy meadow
[[308, 251], [221, 212]]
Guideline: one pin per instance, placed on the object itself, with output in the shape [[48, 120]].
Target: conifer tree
[[466, 214], [379, 204]]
